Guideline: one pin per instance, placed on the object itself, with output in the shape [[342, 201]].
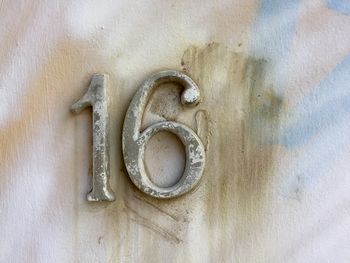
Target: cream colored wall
[[275, 120]]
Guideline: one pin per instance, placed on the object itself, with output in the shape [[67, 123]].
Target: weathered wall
[[274, 118]]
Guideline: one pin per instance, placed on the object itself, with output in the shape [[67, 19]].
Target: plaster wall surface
[[275, 120]]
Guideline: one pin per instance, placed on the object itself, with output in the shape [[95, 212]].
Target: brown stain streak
[[245, 114], [159, 231], [157, 208], [150, 225], [203, 127]]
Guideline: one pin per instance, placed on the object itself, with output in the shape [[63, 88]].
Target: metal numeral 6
[[134, 140]]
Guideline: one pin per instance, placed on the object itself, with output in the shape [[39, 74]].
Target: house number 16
[[134, 140]]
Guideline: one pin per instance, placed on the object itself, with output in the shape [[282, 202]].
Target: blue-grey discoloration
[[272, 34], [341, 6], [322, 116], [327, 105]]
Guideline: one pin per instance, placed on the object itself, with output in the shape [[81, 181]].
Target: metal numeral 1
[[134, 140], [97, 97]]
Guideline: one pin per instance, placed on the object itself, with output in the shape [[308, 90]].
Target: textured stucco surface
[[274, 120]]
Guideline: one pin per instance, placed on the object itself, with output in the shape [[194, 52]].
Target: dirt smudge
[[166, 102], [245, 110]]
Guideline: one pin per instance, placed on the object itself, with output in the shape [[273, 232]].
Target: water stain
[[245, 111], [238, 120]]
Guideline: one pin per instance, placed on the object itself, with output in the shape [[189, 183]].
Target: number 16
[[134, 140]]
